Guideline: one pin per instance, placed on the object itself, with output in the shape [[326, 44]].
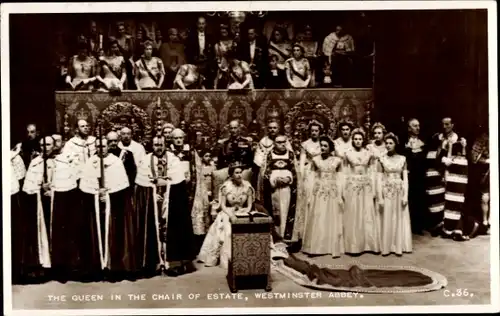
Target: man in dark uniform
[[235, 148]]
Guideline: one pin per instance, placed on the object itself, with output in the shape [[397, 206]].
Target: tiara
[[392, 136], [297, 44], [378, 125], [236, 164], [315, 122], [346, 122], [359, 131]]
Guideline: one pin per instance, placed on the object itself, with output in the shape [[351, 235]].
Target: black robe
[[178, 234], [121, 220], [128, 162], [67, 229], [30, 256], [121, 234], [29, 149], [416, 160], [17, 236]]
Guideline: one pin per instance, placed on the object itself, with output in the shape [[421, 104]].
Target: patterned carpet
[[465, 265]]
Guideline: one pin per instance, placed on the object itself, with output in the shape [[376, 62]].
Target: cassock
[[17, 174], [66, 215], [37, 215], [415, 153], [28, 149], [83, 148], [264, 147], [137, 150], [281, 198], [189, 161], [128, 160], [192, 166], [110, 237], [165, 230]]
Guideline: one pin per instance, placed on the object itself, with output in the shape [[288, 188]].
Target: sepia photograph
[[250, 157]]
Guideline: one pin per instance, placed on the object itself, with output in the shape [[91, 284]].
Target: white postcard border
[[11, 8]]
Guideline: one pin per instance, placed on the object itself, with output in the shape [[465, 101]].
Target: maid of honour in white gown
[[323, 233], [361, 218], [393, 200]]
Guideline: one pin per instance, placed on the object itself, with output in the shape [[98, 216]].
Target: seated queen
[[236, 198]]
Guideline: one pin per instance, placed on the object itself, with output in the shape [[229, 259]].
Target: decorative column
[[158, 114], [66, 129]]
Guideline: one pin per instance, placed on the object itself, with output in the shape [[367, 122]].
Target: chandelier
[[237, 16]]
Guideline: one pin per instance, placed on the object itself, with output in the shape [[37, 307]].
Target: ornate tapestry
[[206, 113]]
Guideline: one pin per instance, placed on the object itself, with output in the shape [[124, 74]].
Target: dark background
[[428, 63]]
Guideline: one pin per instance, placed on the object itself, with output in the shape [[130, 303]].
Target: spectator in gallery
[[223, 46], [149, 70], [125, 41], [324, 77], [61, 69], [82, 68], [184, 35], [112, 71], [126, 46], [191, 76], [311, 47], [173, 57], [280, 46], [157, 41], [338, 47], [138, 44], [275, 78], [95, 39], [200, 49], [240, 76], [253, 51], [298, 70], [199, 44]]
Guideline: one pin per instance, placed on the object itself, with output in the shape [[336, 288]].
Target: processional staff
[[101, 157], [44, 144]]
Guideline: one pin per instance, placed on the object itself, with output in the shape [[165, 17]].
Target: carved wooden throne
[[298, 118], [126, 114]]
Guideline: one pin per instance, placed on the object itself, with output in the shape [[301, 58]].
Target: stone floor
[[466, 265]]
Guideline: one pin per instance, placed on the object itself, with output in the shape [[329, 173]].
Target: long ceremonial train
[[204, 114]]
